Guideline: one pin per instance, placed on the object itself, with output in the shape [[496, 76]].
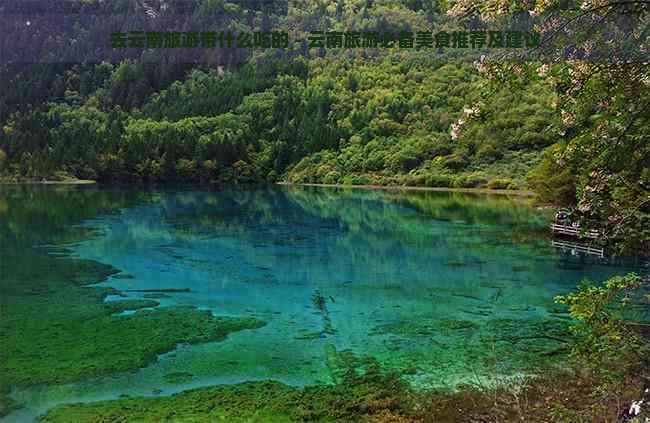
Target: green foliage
[[442, 181], [374, 120], [552, 180], [501, 183], [607, 150], [386, 135], [470, 181], [599, 165], [562, 414], [605, 342]]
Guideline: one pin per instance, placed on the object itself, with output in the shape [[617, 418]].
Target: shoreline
[[67, 182], [521, 193]]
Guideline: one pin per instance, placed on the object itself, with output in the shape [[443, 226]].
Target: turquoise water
[[445, 288]]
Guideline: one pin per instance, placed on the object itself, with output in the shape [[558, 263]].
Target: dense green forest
[[331, 123], [574, 133]]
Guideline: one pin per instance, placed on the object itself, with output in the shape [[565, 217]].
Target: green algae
[[344, 364], [248, 402], [177, 377], [128, 305], [57, 329], [123, 276], [425, 327], [363, 389], [454, 325], [155, 296], [160, 291]]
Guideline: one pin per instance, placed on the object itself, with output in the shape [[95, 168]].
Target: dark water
[[442, 287]]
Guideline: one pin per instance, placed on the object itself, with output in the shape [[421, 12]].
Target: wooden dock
[[576, 232]]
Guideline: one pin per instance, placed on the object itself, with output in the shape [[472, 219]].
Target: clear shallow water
[[442, 287]]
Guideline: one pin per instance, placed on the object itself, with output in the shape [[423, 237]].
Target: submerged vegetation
[[57, 329], [585, 391], [361, 392]]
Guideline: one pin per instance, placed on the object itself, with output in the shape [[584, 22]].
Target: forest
[[575, 133]]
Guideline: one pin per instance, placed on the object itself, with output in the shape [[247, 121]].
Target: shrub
[[552, 179], [443, 147], [439, 181], [456, 162], [502, 183], [374, 161], [404, 160], [488, 153], [470, 181], [356, 180], [332, 177], [243, 172], [87, 172], [414, 180], [208, 169], [185, 169], [321, 171], [605, 342], [61, 175]]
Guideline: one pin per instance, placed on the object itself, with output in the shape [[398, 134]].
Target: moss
[[57, 330], [123, 305], [426, 327], [177, 377], [154, 295], [374, 396], [457, 325], [363, 390], [249, 402]]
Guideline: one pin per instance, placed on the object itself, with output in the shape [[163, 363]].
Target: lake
[[443, 288]]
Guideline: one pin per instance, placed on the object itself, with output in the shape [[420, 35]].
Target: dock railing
[[572, 231], [570, 246]]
